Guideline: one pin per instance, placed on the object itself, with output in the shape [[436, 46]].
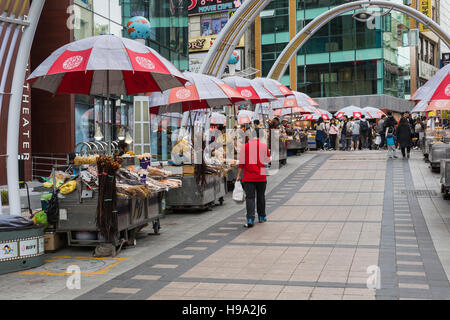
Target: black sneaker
[[249, 223]]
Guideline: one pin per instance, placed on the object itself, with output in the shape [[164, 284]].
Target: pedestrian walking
[[333, 132], [254, 158], [404, 136], [346, 134], [381, 130], [390, 142], [320, 134], [355, 133], [364, 129]]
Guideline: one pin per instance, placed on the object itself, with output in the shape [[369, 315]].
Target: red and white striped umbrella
[[373, 113], [201, 91], [276, 88], [249, 89], [324, 114], [103, 65], [350, 111]]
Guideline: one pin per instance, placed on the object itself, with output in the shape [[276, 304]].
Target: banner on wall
[[208, 6], [426, 9], [204, 43]]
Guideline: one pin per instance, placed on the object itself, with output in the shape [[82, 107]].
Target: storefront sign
[[204, 43], [425, 8], [8, 250], [207, 6], [426, 71]]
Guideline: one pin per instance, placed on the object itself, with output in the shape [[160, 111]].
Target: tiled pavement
[[329, 221]]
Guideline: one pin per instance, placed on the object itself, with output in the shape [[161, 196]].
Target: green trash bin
[[45, 199]]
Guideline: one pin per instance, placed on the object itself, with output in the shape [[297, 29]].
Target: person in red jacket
[[253, 159]]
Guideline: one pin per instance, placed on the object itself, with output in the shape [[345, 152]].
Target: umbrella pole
[[191, 127], [108, 110]]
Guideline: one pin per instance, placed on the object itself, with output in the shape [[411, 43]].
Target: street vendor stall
[[103, 202], [93, 211], [203, 167]]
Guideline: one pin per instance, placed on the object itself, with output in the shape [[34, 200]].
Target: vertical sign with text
[[25, 127], [426, 9]]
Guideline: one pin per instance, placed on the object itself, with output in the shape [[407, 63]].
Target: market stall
[[203, 167], [103, 202], [133, 191]]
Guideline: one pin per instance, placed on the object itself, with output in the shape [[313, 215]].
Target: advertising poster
[[8, 250]]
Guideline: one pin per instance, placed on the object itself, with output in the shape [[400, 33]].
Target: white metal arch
[[12, 148], [217, 57], [280, 65]]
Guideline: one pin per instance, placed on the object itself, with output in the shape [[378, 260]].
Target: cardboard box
[[54, 241], [188, 170]]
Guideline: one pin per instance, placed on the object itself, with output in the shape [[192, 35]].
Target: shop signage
[[204, 43], [8, 250], [425, 8], [208, 6], [25, 128], [28, 247], [426, 71]]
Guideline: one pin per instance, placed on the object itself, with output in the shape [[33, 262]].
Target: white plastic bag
[[238, 192], [378, 140]]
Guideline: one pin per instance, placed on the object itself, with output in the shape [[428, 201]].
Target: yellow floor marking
[[103, 270]]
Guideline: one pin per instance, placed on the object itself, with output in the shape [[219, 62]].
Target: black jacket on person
[[403, 134], [389, 123]]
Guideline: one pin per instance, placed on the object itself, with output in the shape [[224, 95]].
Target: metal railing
[[42, 164]]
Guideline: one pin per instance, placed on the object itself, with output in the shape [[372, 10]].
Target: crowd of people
[[349, 133]]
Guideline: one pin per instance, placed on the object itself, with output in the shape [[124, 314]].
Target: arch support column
[[12, 150]]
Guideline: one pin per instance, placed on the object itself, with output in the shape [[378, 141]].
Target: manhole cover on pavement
[[419, 193], [58, 266]]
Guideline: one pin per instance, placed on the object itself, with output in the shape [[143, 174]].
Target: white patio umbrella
[[276, 88], [350, 111], [373, 113], [249, 89]]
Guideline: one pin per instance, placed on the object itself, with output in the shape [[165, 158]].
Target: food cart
[[204, 185], [138, 200], [445, 178], [437, 135], [299, 140], [438, 151]]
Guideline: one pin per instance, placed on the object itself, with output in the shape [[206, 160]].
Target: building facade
[[206, 20], [60, 122], [346, 57]]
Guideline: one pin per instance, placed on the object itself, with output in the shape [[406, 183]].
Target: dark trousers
[[255, 190], [383, 139], [403, 150], [363, 136], [319, 144], [333, 140]]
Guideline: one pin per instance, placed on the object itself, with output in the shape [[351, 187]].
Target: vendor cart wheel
[[221, 201], [156, 226]]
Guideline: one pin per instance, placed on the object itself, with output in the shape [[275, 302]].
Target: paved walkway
[[329, 221], [331, 216]]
